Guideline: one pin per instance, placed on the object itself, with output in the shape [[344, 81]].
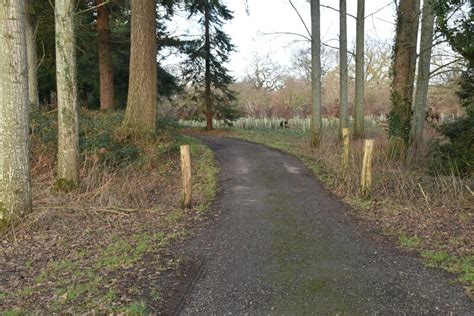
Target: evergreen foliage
[[215, 49], [87, 51], [455, 23]]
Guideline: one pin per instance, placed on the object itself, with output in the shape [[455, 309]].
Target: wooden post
[[186, 172], [366, 176], [345, 149]]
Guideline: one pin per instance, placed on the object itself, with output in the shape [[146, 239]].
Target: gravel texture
[[282, 244]]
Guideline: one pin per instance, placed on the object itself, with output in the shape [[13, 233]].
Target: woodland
[[92, 119]]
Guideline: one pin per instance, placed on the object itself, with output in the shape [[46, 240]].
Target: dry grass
[[104, 245]]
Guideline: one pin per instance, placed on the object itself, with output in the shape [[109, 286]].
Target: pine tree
[[140, 116], [105, 56], [205, 69]]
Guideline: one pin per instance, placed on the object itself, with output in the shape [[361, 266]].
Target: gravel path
[[282, 244]]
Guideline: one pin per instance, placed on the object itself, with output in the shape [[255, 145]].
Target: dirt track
[[282, 244]]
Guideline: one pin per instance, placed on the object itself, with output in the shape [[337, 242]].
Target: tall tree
[[31, 29], [205, 68], [105, 56], [316, 119], [403, 70], [66, 83], [423, 77], [343, 77], [359, 73], [140, 115], [15, 188]]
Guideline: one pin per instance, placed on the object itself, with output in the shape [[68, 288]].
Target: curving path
[[282, 244]]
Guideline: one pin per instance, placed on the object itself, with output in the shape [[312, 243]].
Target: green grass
[[135, 309], [412, 242], [14, 312], [205, 174]]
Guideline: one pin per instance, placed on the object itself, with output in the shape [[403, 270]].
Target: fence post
[[345, 149], [186, 173], [366, 176]]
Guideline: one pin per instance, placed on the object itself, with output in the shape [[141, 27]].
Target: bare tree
[[140, 116], [359, 75], [265, 73], [15, 188], [343, 75], [423, 78], [316, 120], [66, 82], [301, 60]]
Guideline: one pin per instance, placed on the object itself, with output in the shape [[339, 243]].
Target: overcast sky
[[251, 30]]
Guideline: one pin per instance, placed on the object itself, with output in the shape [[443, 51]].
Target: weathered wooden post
[[366, 176], [345, 150], [186, 172]]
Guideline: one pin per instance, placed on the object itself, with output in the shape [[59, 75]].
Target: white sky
[[247, 31]]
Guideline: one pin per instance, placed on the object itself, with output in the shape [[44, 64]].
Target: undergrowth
[[103, 247]]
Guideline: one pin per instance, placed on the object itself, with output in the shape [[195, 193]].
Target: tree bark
[[343, 76], [15, 187], [31, 27], [140, 116], [359, 71], [403, 69], [105, 56], [66, 82], [207, 97], [316, 120], [422, 81]]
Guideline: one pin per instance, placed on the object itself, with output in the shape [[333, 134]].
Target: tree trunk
[[403, 69], [105, 56], [140, 116], [316, 120], [31, 28], [209, 113], [66, 82], [343, 81], [422, 81], [15, 187], [359, 72]]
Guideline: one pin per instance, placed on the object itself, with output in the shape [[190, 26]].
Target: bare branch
[[301, 18], [334, 9], [289, 33], [378, 10], [93, 7], [437, 70]]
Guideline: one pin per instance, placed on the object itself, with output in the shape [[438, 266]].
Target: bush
[[456, 154], [97, 136]]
